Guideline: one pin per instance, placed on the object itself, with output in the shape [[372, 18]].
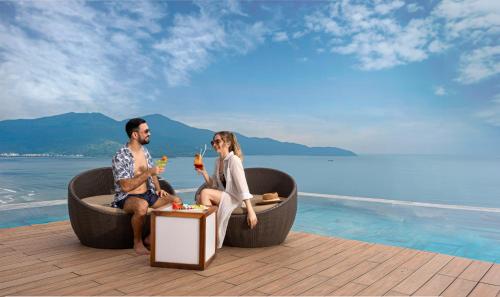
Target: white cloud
[[440, 91], [414, 7], [298, 34], [57, 56], [374, 34], [469, 18], [491, 113], [479, 64], [280, 37], [380, 39], [188, 47], [303, 59], [60, 56], [194, 40]]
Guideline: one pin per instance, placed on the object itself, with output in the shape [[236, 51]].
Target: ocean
[[446, 204]]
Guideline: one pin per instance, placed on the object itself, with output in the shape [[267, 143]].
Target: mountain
[[94, 134]]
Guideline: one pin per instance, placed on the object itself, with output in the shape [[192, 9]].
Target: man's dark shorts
[[150, 198]]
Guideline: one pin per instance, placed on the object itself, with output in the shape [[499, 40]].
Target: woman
[[228, 185]]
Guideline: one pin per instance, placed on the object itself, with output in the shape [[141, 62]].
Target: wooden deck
[[49, 260]]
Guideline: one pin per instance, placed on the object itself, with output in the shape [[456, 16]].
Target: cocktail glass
[[198, 161]]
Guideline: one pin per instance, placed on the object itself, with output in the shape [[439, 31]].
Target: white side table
[[183, 238]]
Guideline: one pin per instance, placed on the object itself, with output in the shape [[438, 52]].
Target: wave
[[8, 190]]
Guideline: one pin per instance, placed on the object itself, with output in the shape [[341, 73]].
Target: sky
[[374, 77]]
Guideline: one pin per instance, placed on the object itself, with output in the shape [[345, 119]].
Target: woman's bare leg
[[210, 197]]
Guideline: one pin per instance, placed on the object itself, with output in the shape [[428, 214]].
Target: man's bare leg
[[138, 208], [162, 201]]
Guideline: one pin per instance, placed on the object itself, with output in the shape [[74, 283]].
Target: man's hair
[[133, 125]]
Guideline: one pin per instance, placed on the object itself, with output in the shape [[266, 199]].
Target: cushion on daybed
[[103, 202]]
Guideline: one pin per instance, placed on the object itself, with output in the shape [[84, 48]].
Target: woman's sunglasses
[[218, 141]]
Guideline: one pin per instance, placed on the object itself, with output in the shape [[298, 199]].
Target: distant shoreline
[[44, 155]]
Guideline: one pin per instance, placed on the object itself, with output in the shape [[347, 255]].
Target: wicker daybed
[[275, 221], [96, 223]]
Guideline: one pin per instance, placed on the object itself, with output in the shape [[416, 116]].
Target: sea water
[[462, 183]]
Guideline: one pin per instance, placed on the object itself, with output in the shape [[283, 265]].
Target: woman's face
[[219, 144]]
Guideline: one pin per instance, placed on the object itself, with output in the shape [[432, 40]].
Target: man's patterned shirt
[[123, 168]]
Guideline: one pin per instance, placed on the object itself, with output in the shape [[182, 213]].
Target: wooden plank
[[26, 271], [298, 259], [17, 259], [455, 267], [395, 293], [385, 268], [210, 281], [416, 262], [117, 261], [213, 289], [71, 290], [18, 264], [385, 254], [244, 288], [485, 290], [423, 274], [55, 286], [492, 277], [385, 284], [459, 287], [151, 281], [342, 279], [300, 241], [340, 251], [475, 271], [352, 260], [315, 268], [212, 270], [435, 286], [112, 293], [37, 284], [349, 289], [249, 276], [301, 286], [169, 287]]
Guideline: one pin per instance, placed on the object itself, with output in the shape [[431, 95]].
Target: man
[[136, 180]]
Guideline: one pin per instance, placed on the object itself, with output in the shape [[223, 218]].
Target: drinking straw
[[204, 150]]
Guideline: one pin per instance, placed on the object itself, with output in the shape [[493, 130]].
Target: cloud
[[379, 38], [373, 33], [491, 113], [191, 39], [60, 56], [280, 36], [194, 40], [57, 56], [414, 7], [479, 64], [440, 91], [469, 18]]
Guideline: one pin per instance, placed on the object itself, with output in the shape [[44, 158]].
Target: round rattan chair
[[101, 227], [275, 222]]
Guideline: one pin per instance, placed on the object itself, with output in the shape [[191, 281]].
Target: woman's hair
[[230, 137]]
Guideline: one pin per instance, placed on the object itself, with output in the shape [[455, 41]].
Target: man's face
[[143, 134]]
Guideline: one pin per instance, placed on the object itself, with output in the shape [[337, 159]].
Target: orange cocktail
[[198, 161]]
